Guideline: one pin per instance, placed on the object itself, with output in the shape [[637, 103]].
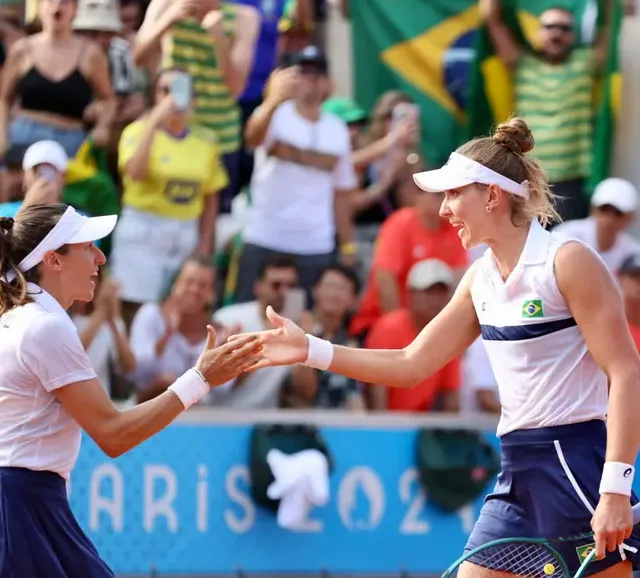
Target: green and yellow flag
[[423, 47], [491, 99]]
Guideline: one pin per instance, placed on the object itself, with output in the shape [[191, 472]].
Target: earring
[[488, 209]]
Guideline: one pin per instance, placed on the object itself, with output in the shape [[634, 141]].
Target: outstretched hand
[[221, 364], [287, 344]]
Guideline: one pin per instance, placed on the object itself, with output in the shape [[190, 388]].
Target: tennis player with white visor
[[553, 323], [49, 391]]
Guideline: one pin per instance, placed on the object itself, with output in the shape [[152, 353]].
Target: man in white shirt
[[303, 176], [259, 389], [613, 209]]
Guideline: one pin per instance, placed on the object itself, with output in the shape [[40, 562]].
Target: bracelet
[[617, 478], [320, 353], [190, 387]]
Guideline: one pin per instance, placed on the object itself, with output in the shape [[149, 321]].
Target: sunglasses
[[560, 27], [280, 285], [610, 210]]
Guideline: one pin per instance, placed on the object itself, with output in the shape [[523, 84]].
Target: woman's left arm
[[100, 79], [206, 244], [596, 304]]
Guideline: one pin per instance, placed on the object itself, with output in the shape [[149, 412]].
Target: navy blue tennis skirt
[[39, 536], [548, 488]]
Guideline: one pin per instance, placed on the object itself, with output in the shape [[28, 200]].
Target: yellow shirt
[[182, 171]]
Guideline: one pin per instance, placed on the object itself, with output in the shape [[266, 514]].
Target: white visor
[[71, 229], [461, 171]]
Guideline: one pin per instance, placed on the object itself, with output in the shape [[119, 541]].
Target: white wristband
[[190, 387], [320, 353], [616, 478]]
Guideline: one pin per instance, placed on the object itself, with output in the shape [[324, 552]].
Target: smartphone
[[47, 172], [295, 304], [182, 91], [403, 111]]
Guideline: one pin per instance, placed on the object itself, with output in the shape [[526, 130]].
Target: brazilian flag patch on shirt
[[532, 309]]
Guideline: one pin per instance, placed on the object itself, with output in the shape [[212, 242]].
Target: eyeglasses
[[558, 26]]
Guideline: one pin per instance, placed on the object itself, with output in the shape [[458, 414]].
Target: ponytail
[[14, 293]]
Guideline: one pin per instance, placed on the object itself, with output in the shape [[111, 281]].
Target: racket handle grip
[[636, 513]]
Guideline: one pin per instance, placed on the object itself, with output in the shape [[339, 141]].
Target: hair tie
[[6, 223]]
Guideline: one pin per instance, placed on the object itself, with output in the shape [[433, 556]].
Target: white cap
[[71, 229], [618, 193], [428, 273], [460, 171], [45, 152]]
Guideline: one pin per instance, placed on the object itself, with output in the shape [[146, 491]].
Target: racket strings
[[521, 559]]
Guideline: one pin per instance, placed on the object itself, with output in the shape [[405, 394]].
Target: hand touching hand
[[285, 345], [221, 364]]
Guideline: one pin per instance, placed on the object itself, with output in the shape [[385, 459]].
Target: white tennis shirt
[[40, 351], [545, 373]]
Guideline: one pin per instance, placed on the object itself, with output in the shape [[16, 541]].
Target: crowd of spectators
[[243, 182]]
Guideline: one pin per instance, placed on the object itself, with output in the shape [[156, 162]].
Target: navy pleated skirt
[[39, 535]]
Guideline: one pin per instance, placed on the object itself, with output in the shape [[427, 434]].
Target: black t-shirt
[[379, 211]]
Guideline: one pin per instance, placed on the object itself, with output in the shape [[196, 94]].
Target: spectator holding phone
[[171, 174], [44, 167]]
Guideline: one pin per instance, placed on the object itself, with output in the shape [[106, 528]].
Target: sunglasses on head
[[558, 26]]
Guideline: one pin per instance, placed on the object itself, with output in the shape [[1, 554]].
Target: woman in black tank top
[[53, 76]]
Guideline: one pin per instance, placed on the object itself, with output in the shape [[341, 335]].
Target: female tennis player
[[552, 320], [48, 390]]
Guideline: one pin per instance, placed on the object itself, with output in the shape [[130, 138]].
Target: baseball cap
[[631, 265], [346, 109], [47, 152], [428, 273], [618, 193], [313, 55]]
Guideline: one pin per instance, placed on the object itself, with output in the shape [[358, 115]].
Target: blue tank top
[[266, 47]]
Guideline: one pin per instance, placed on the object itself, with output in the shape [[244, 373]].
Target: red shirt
[[402, 242], [635, 333], [395, 330]]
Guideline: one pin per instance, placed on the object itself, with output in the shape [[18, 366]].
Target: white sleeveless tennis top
[[545, 374]]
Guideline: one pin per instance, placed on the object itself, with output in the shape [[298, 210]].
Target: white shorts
[[147, 251]]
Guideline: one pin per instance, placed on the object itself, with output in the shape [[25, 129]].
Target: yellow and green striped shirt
[[557, 102], [191, 48]]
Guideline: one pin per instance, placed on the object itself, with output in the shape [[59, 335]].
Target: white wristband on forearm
[[320, 353], [190, 387], [616, 478]]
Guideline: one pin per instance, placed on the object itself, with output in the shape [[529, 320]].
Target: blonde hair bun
[[515, 135]]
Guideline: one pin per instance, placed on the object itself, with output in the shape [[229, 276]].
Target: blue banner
[[181, 503]]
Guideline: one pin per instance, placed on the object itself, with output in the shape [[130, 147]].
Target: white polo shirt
[[40, 351], [293, 205], [545, 373]]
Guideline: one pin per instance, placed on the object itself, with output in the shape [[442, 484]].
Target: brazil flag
[[490, 81], [424, 48]]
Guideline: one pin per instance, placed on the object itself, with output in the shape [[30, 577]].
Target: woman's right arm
[[445, 338], [52, 352], [453, 330], [134, 153], [10, 76]]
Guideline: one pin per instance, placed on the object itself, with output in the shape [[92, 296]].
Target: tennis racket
[[533, 557]]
